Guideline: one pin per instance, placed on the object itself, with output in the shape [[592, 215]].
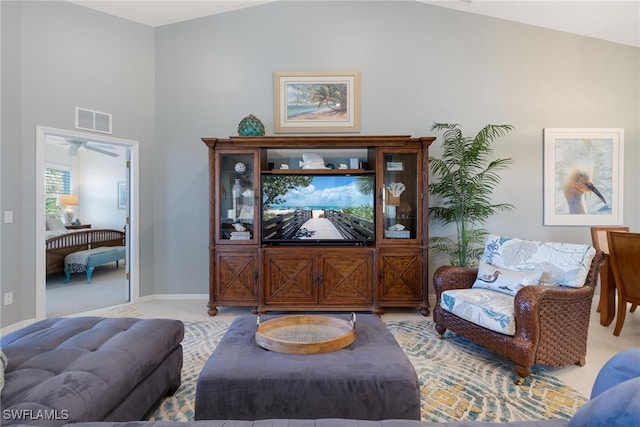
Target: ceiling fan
[[74, 146]]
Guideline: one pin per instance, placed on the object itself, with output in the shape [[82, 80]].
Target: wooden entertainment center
[[262, 258]]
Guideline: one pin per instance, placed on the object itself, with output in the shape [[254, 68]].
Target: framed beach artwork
[[122, 195], [583, 176], [316, 101]]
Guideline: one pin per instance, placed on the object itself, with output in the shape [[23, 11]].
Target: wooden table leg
[[607, 294]]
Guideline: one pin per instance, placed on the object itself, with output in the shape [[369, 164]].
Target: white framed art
[[583, 176]]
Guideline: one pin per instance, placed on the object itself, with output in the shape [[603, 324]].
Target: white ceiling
[[611, 20]]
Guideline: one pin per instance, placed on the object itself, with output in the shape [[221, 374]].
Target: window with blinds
[[57, 181]]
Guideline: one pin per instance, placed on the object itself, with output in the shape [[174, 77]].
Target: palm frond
[[464, 180]]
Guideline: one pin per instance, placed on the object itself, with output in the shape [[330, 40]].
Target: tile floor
[[602, 344]]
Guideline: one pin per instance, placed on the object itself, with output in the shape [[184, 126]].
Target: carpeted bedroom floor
[[108, 287]]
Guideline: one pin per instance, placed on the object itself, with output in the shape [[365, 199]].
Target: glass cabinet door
[[400, 196], [236, 195]]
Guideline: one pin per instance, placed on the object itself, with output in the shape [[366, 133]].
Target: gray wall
[[11, 196], [55, 56], [420, 64]]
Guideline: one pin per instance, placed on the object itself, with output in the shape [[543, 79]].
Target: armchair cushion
[[484, 307], [506, 281], [563, 264]]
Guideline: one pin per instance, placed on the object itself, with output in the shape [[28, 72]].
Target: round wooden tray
[[305, 334]]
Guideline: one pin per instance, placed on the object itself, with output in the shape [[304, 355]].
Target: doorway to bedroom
[[87, 254]]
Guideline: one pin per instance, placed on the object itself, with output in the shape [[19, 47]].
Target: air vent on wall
[[93, 120]]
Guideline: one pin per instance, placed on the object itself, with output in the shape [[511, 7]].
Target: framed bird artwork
[[583, 170]]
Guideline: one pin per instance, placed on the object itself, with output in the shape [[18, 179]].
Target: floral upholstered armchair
[[528, 301]]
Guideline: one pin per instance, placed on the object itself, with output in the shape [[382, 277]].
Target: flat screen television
[[318, 209]]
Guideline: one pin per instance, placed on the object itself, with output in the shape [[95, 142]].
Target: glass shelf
[[317, 159], [237, 197], [399, 195]]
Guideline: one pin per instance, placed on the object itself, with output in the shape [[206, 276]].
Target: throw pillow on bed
[[503, 280], [55, 224]]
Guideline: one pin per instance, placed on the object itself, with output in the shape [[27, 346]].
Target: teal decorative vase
[[250, 126]]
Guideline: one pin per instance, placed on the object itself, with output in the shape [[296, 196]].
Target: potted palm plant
[[463, 182]]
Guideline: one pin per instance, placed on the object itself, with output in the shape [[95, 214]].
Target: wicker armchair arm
[[448, 277], [536, 294], [538, 308]]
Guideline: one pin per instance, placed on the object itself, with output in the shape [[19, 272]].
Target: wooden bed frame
[[60, 246]]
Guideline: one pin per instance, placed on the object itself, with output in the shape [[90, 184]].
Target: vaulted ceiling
[[615, 21]]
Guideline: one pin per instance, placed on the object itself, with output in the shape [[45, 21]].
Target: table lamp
[[68, 201]]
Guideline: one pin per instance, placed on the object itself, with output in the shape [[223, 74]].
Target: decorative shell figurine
[[396, 227], [396, 188], [312, 161], [239, 227], [250, 126]]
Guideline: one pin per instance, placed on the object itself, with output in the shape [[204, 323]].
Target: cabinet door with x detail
[[400, 276]]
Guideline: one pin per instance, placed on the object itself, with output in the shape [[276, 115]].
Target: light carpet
[[108, 287], [459, 380]]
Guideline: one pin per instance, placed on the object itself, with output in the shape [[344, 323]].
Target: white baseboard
[[166, 297]]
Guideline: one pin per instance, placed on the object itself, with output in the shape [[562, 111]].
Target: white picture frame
[[583, 176]]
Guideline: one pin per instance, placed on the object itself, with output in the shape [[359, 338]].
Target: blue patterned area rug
[[459, 380]]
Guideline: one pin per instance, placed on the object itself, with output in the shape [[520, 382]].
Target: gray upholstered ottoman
[[372, 379]]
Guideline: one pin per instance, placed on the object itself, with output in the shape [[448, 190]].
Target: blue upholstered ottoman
[[372, 379], [89, 259]]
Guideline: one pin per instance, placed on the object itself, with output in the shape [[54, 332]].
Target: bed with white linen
[[62, 242]]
